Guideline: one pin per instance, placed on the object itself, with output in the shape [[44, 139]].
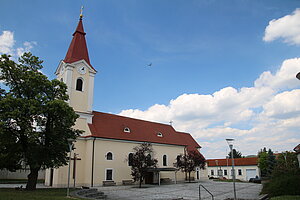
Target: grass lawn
[[229, 180], [286, 198], [39, 194]]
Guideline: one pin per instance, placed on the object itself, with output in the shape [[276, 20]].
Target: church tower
[[78, 74]]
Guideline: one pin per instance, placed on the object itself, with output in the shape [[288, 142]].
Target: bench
[[108, 183], [127, 182]]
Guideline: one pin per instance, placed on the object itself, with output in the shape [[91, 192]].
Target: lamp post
[[70, 143], [217, 168], [230, 143]]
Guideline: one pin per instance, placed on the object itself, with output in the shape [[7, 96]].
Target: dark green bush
[[284, 183]]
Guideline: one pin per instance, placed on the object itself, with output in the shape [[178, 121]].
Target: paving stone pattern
[[181, 191], [184, 191]]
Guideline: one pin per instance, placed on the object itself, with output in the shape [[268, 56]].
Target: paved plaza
[[186, 191]]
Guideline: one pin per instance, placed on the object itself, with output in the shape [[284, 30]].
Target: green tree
[[286, 161], [266, 162], [189, 161], [141, 161], [285, 177], [35, 119], [236, 154]]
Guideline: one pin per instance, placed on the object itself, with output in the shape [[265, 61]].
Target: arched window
[[79, 84], [130, 159], [109, 156], [165, 160]]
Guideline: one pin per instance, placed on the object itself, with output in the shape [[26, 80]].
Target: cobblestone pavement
[[186, 191]]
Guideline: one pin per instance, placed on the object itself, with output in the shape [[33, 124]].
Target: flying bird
[[150, 64]]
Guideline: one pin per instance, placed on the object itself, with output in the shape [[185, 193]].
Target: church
[[101, 155]]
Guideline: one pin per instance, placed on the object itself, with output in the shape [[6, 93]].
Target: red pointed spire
[[78, 49]]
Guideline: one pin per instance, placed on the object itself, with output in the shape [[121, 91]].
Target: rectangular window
[[212, 172], [240, 172], [109, 174], [225, 172]]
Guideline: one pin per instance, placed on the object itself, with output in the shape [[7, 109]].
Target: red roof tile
[[237, 162], [78, 49], [112, 126]]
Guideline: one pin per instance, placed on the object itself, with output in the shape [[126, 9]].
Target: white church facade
[[102, 153]]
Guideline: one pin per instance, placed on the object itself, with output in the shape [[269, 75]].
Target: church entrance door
[[149, 178]]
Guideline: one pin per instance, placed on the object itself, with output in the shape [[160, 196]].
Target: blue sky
[[213, 73]]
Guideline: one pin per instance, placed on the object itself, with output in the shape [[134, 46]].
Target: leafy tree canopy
[[286, 161], [236, 154], [35, 120], [285, 176], [189, 161], [266, 162], [141, 161]]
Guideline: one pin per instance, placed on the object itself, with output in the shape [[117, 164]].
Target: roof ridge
[[148, 121], [231, 158]]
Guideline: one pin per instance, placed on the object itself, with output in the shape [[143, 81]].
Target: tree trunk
[[32, 178], [189, 177], [141, 182]]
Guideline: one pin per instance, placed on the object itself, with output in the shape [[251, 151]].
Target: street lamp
[[230, 143], [70, 143]]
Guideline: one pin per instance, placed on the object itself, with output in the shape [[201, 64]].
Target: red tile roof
[[237, 162], [78, 49], [112, 126]]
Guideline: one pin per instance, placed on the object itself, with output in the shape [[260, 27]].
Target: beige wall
[[119, 164], [80, 100], [60, 175], [19, 174]]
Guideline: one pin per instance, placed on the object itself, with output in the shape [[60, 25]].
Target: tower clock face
[[81, 69]]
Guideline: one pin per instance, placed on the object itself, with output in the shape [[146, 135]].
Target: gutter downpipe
[[93, 157]]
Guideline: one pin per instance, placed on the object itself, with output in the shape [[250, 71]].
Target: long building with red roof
[[102, 153], [245, 168]]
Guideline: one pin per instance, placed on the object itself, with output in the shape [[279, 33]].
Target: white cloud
[[27, 47], [6, 42], [287, 28], [263, 115], [284, 78], [284, 105], [7, 45]]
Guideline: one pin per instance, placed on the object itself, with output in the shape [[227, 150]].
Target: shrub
[[286, 183]]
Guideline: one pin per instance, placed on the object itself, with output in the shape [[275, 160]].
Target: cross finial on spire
[[81, 10]]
